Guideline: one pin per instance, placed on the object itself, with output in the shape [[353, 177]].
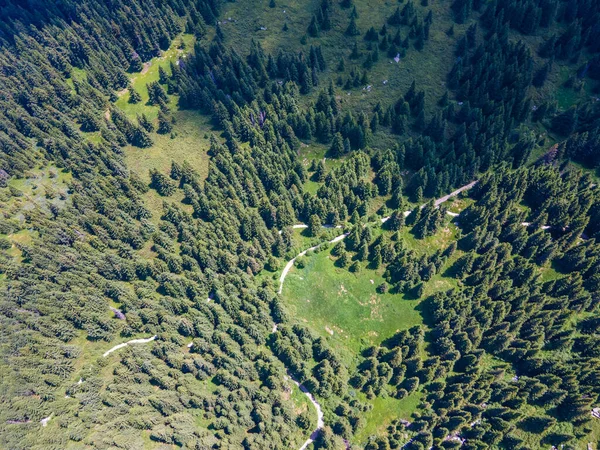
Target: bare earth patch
[[146, 67]]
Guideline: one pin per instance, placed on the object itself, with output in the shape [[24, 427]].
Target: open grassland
[[344, 307], [188, 141], [385, 410], [189, 144]]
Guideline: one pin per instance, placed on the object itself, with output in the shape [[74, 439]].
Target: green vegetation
[[156, 156], [344, 307], [190, 144], [385, 410]]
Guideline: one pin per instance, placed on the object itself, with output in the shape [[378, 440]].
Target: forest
[[274, 224]]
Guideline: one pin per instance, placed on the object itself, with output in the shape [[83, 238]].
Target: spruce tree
[[134, 96], [352, 29], [314, 225], [337, 146], [313, 28], [165, 124]]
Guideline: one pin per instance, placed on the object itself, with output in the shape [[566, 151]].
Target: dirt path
[[290, 263], [311, 398], [125, 344], [320, 422], [287, 268], [441, 200], [146, 67]]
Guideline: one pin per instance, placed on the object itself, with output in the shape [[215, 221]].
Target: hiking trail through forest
[[290, 263]]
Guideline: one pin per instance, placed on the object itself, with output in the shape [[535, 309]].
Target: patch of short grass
[[385, 410], [344, 307], [150, 74], [189, 145]]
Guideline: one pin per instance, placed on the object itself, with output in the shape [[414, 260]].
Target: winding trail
[[320, 422], [445, 198], [290, 263], [125, 344]]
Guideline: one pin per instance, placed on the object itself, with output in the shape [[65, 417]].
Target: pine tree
[[313, 28], [352, 29], [314, 225], [162, 75], [337, 146], [320, 172], [165, 124], [134, 96], [161, 183], [326, 21], [371, 35], [420, 41], [443, 102], [145, 123], [542, 74], [566, 122], [395, 18], [343, 260], [136, 64], [347, 146]]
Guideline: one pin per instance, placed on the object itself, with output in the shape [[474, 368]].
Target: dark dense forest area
[[147, 308]]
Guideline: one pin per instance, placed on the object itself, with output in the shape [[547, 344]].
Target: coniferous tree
[[313, 27], [314, 225], [337, 148], [165, 124], [352, 29], [134, 96]]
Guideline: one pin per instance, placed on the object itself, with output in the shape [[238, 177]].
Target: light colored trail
[[543, 227], [303, 225], [290, 263], [445, 198], [125, 344], [320, 422], [311, 398], [287, 268]]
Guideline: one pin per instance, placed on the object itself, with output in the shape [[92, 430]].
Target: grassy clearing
[[384, 411], [188, 142], [188, 145], [430, 244], [150, 74], [344, 307]]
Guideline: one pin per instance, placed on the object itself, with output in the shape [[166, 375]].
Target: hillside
[[300, 225]]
